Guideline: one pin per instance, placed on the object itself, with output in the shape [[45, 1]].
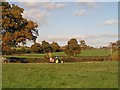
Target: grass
[[27, 56], [83, 53], [94, 53], [66, 75]]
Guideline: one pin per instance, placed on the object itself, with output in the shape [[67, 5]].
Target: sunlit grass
[[83, 53], [66, 75]]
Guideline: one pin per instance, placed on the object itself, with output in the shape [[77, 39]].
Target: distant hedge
[[68, 59], [87, 58]]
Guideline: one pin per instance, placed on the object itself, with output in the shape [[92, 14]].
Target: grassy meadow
[[67, 75], [83, 53]]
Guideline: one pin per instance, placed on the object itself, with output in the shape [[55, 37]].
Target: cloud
[[110, 22], [27, 0], [58, 38], [79, 37], [52, 5], [97, 43], [53, 38], [87, 3], [91, 39], [38, 11], [109, 35], [35, 15], [80, 12], [30, 4], [44, 5], [95, 36]]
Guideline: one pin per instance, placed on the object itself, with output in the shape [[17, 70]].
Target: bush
[[71, 59], [14, 51], [21, 51], [36, 48], [36, 60]]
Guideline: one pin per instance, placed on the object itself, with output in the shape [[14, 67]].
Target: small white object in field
[[51, 60], [61, 61]]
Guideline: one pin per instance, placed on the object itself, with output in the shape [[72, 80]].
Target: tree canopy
[[72, 48], [15, 28], [36, 48], [55, 46], [46, 46]]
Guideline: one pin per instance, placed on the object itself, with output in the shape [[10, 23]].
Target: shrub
[[36, 48]]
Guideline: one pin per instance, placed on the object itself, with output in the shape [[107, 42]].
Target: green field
[[83, 53], [66, 75]]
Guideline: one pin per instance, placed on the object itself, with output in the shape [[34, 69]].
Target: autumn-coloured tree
[[83, 45], [36, 48], [14, 25], [6, 50], [7, 38], [72, 48], [46, 47], [55, 46]]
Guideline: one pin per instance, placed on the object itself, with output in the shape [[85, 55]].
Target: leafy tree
[[14, 25], [55, 47], [7, 38], [46, 47], [72, 48], [83, 45], [6, 50], [36, 48]]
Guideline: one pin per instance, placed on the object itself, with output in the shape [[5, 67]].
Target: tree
[[36, 48], [72, 48], [14, 25], [55, 47], [6, 50], [46, 47], [7, 38], [83, 45]]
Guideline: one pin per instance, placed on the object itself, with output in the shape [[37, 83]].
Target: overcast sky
[[95, 22]]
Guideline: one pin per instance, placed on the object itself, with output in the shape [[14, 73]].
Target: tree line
[[72, 48], [16, 29]]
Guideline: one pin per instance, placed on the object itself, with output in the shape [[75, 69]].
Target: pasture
[[67, 75], [83, 53]]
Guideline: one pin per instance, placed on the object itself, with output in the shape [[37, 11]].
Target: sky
[[94, 22]]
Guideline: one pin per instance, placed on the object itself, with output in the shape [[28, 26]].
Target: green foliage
[[36, 48], [72, 48], [55, 47], [67, 75], [22, 50], [83, 45], [46, 47]]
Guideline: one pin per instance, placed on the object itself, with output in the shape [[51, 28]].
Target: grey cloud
[[110, 22]]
